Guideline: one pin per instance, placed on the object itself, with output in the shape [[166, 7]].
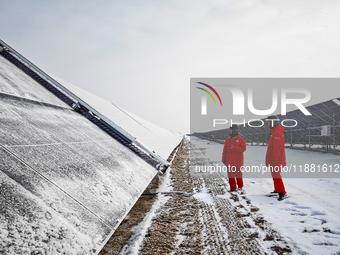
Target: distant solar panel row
[[307, 131]]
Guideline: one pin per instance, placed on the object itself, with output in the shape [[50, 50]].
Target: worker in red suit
[[276, 155], [232, 157]]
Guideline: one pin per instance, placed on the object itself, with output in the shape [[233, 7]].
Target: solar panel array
[[66, 183], [307, 131]]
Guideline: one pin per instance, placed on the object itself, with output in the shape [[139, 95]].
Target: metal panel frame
[[5, 47]]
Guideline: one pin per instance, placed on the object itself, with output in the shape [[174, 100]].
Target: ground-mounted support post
[[291, 137], [309, 134], [334, 141]]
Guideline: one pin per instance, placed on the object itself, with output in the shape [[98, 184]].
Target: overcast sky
[[141, 55]]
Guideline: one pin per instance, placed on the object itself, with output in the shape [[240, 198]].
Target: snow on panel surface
[[15, 82], [155, 138], [65, 185]]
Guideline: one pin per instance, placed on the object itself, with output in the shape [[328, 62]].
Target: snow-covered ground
[[309, 219], [207, 219]]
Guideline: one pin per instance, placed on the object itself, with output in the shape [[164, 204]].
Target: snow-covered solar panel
[[65, 184], [15, 82], [157, 139]]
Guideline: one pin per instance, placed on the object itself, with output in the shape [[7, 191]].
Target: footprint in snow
[[303, 207], [315, 212]]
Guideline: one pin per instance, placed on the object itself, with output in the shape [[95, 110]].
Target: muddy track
[[178, 217], [237, 213], [221, 223], [240, 239]]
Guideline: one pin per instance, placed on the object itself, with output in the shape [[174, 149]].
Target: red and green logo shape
[[212, 89]]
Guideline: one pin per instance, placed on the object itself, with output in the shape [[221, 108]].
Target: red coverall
[[276, 152], [234, 158]]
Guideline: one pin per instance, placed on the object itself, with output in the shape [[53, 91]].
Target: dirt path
[[205, 219], [248, 232]]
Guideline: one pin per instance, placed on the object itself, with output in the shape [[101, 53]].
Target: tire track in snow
[[259, 238]]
